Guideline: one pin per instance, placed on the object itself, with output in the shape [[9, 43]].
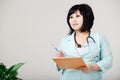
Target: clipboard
[[69, 62]]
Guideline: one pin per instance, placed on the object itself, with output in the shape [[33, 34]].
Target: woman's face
[[76, 20]]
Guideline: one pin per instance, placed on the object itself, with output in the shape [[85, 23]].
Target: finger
[[60, 54]]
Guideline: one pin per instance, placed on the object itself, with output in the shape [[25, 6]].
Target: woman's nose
[[74, 19]]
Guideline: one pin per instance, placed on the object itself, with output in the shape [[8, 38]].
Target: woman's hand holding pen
[[60, 54]]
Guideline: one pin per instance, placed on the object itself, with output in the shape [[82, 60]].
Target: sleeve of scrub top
[[106, 55]]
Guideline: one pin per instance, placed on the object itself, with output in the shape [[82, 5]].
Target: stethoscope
[[91, 45]]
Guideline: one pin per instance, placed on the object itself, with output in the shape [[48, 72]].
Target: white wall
[[29, 27]]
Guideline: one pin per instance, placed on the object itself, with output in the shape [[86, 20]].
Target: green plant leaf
[[3, 67], [3, 71], [10, 69], [15, 67], [11, 73]]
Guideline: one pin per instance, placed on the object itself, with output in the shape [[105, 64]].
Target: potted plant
[[9, 73]]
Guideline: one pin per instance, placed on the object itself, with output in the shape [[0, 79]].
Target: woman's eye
[[77, 15], [71, 17]]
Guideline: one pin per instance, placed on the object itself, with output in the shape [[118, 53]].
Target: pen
[[55, 48]]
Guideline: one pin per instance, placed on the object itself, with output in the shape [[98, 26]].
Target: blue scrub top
[[98, 52]]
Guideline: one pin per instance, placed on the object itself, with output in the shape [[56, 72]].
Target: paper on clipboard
[[69, 62]]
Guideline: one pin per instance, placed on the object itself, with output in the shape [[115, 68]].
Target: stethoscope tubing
[[95, 55]]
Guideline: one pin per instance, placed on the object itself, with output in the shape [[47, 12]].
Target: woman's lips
[[75, 24]]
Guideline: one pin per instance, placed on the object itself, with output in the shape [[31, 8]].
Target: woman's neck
[[80, 38], [78, 33]]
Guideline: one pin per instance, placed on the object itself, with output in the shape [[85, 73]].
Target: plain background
[[28, 28]]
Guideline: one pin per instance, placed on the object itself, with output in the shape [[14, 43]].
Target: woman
[[81, 41]]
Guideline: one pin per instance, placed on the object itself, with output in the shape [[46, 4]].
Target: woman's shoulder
[[65, 38], [97, 34]]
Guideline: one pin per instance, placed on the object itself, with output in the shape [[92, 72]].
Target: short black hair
[[88, 17]]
